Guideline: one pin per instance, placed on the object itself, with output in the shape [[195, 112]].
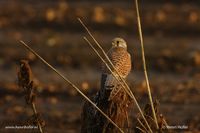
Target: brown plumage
[[121, 59]]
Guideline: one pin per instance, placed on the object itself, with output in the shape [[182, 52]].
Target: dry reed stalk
[[144, 62], [25, 82], [126, 87], [164, 121], [149, 116], [69, 82], [142, 125], [141, 130]]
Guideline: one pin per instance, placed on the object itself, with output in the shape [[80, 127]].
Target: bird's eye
[[117, 43]]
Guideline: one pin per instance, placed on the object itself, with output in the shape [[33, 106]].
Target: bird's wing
[[121, 59]]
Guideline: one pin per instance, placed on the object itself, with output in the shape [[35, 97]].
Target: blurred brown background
[[172, 47]]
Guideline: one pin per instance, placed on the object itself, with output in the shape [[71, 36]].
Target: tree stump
[[116, 108]]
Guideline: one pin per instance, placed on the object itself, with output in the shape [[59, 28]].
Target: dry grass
[[139, 126], [69, 82], [25, 81], [144, 63]]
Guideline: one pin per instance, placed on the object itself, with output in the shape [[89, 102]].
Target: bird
[[111, 98], [121, 59]]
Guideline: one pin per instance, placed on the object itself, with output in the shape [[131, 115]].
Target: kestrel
[[111, 98], [121, 60]]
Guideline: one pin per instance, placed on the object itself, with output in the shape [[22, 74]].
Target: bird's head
[[119, 42]]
